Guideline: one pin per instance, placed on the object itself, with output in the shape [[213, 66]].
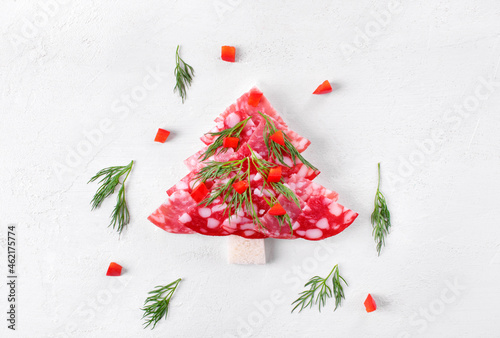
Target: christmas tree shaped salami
[[251, 181]]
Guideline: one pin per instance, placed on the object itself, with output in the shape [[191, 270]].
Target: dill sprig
[[381, 217], [277, 150], [233, 200], [110, 178], [319, 291], [156, 305], [183, 75], [219, 170], [219, 141], [285, 191], [282, 189]]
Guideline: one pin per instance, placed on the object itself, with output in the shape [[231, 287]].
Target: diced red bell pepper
[[323, 88], [277, 210], [370, 304], [114, 269], [230, 142], [240, 186], [228, 53], [199, 193], [274, 174], [254, 98], [278, 137], [161, 135]]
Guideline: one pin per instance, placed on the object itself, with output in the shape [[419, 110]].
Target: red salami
[[272, 226], [230, 121], [322, 218], [317, 216], [306, 188], [193, 162], [167, 215], [242, 105]]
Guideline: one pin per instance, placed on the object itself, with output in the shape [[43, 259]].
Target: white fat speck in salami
[[335, 209], [322, 223], [212, 223], [205, 212], [303, 171], [247, 226], [314, 233], [232, 120], [288, 161], [302, 143], [349, 216], [181, 185], [219, 207], [185, 218]]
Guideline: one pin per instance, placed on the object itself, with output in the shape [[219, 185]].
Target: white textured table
[[421, 95]]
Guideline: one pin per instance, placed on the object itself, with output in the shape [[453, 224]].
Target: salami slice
[[187, 183], [213, 220], [241, 110], [242, 104], [184, 184], [322, 218], [299, 142], [272, 227], [245, 226], [318, 215], [229, 122], [306, 188], [256, 142], [193, 162], [206, 220], [167, 215], [299, 169]]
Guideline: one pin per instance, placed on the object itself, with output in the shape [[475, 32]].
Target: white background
[[63, 69]]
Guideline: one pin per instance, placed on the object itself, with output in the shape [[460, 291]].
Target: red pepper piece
[[161, 135], [114, 269], [240, 186], [323, 88], [228, 53], [254, 98], [274, 174], [277, 210], [230, 142], [370, 304], [278, 137], [199, 193]]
